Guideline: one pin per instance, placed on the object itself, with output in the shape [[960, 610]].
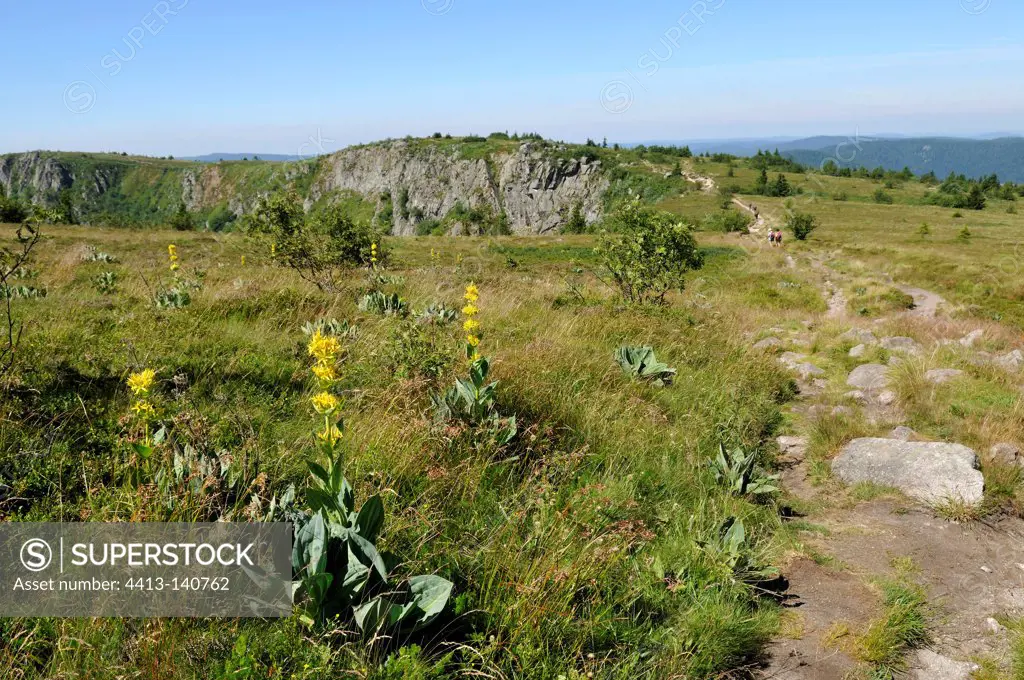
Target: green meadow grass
[[581, 553]]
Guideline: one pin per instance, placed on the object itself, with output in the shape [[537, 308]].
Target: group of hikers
[[775, 238]]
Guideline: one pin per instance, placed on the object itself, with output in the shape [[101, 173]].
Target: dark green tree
[[182, 219]]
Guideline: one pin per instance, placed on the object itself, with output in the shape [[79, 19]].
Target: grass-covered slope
[[586, 547]]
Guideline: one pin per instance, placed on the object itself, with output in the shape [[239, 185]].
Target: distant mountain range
[[974, 157], [1003, 156]]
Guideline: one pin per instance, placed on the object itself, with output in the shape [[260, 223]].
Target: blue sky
[[196, 76]]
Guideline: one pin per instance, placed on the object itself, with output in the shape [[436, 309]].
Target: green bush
[[881, 197], [577, 223], [320, 246], [221, 218], [727, 221], [801, 224], [182, 220], [649, 255], [11, 211]]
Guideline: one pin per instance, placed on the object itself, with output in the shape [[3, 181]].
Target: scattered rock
[[931, 472], [887, 398], [806, 371], [791, 359], [858, 351], [1005, 453], [856, 395], [901, 344], [931, 666], [937, 376], [903, 433], [768, 344], [980, 358], [994, 626], [971, 338], [820, 410], [1010, 362], [792, 448], [987, 570], [896, 360], [860, 336], [868, 377]]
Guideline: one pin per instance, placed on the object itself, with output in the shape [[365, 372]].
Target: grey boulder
[[1005, 453], [931, 472], [859, 336], [1010, 362], [971, 338], [901, 344], [938, 376], [868, 377], [768, 344]]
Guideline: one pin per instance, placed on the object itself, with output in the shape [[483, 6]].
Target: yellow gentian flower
[[324, 372], [325, 403], [324, 348], [330, 434], [141, 382]]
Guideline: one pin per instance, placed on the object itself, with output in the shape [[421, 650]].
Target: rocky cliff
[[415, 186], [532, 188]]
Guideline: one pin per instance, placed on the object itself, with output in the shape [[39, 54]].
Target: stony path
[[836, 301], [759, 224], [926, 303], [971, 572]]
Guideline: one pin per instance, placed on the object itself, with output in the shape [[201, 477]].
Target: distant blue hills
[[974, 157]]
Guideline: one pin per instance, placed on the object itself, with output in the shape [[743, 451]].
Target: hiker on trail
[[771, 237], [778, 238]]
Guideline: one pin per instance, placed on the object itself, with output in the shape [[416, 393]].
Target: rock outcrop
[[535, 190], [931, 472]]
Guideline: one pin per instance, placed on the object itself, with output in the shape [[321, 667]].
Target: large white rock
[[932, 472]]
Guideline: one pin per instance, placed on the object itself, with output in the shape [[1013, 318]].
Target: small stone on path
[[792, 448], [903, 433], [931, 666]]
